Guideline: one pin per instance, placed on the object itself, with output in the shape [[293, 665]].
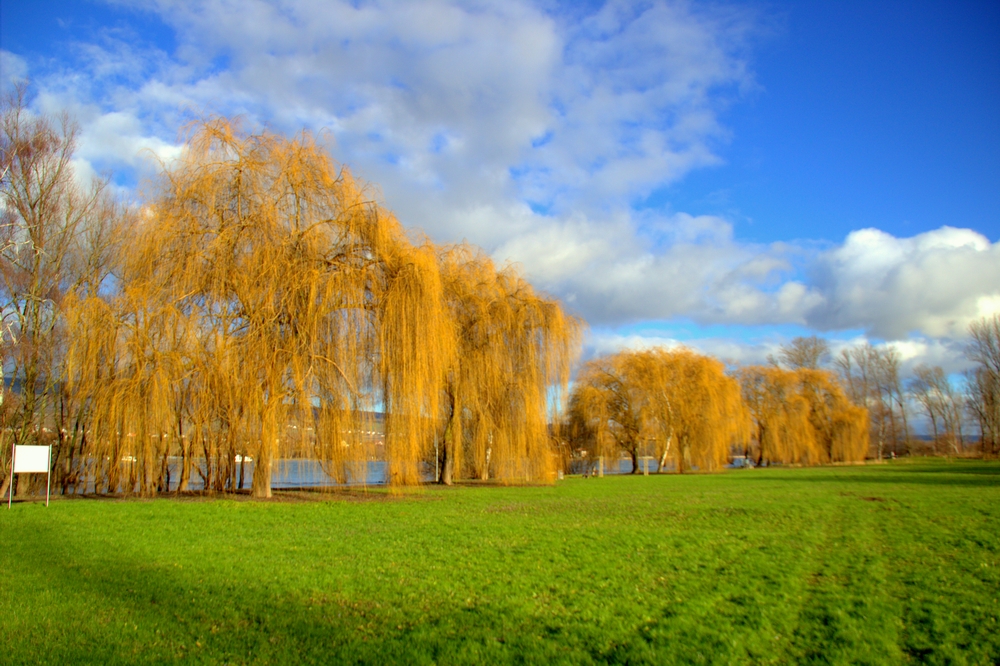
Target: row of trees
[[685, 407], [258, 304], [803, 407], [872, 377]]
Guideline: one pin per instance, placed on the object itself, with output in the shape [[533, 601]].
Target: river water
[[299, 473]]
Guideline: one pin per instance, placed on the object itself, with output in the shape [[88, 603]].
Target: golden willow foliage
[[802, 416], [266, 307], [678, 402], [263, 291], [511, 346]]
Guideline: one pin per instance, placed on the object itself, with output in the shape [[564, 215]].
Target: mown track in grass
[[893, 563]]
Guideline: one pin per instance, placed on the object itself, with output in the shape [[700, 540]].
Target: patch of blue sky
[[122, 176], [50, 28], [529, 179], [899, 132], [542, 140], [710, 191], [220, 63], [520, 171], [686, 330], [558, 107], [571, 10], [399, 84], [539, 208], [631, 133], [439, 143]]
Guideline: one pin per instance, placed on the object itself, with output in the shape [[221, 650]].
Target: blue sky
[[727, 175], [870, 114]]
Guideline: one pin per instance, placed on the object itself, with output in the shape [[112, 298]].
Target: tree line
[[260, 303], [803, 407], [685, 408]]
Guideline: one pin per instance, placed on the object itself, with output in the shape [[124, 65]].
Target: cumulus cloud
[[931, 285], [117, 137], [934, 283], [629, 267]]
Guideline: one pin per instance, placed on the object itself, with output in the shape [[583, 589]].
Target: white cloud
[[13, 69], [729, 350], [119, 137], [934, 283], [918, 293], [679, 265], [491, 103], [465, 113]]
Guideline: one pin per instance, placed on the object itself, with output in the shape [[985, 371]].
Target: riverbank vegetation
[[260, 303], [887, 563]]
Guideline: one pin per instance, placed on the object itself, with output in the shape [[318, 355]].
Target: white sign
[[31, 459]]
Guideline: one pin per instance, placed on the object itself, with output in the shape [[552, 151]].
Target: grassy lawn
[[894, 563]]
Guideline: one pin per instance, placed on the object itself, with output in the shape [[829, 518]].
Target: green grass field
[[896, 563]]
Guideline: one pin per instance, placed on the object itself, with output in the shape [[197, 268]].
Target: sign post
[[30, 460]]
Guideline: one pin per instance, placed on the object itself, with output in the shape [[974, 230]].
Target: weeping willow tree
[[608, 410], [698, 410], [802, 416], [841, 427], [780, 413], [264, 290], [511, 347], [681, 402]]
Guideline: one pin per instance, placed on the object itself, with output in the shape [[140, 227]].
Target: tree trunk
[[261, 483], [185, 450], [5, 482], [452, 440], [666, 452]]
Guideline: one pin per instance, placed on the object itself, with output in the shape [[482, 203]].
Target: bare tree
[[942, 404], [871, 377], [42, 212], [809, 353], [984, 381]]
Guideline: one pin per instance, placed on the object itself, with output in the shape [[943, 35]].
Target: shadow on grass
[[978, 467], [118, 609], [956, 473]]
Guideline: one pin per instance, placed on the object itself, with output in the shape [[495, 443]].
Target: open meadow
[[878, 564]]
